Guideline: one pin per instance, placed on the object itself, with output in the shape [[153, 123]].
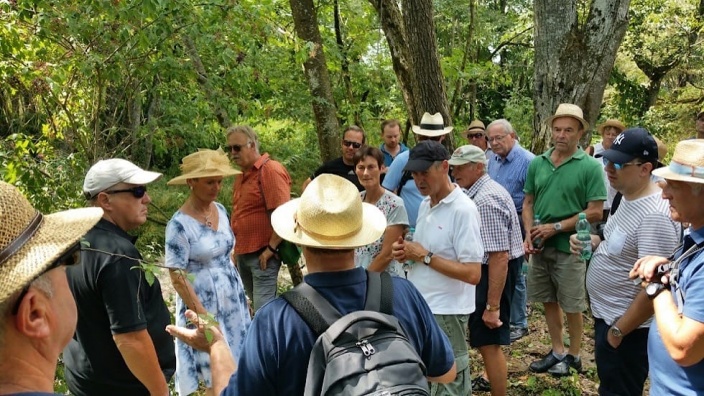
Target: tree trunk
[[392, 23], [573, 59], [426, 74], [305, 19]]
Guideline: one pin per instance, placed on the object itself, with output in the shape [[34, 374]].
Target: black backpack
[[362, 353]]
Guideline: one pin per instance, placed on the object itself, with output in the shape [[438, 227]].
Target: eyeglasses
[[137, 192], [236, 148], [347, 143], [475, 135], [621, 166], [70, 257], [497, 139]]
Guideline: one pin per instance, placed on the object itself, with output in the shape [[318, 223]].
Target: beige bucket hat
[[30, 241], [475, 125], [204, 163], [569, 110], [687, 162], [329, 214]]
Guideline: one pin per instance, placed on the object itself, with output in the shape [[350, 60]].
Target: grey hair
[[247, 131], [505, 125]]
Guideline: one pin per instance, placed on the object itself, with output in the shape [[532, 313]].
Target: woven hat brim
[[582, 121], [431, 132], [283, 222], [667, 174], [58, 232], [181, 180]]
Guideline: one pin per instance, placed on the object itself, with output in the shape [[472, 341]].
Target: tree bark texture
[[573, 58], [305, 19]]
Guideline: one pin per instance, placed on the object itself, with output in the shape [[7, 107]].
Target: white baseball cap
[[107, 173]]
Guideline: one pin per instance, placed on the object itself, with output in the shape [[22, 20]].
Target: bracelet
[[272, 249]]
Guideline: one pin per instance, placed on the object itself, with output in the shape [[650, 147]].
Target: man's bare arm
[[137, 349]]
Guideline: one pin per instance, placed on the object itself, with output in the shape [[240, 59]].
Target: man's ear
[[103, 200], [32, 317]]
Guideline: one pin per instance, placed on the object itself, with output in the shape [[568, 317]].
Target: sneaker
[[517, 333], [544, 364], [481, 384], [563, 368]]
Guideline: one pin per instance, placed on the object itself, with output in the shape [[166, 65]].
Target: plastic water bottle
[[583, 228], [537, 241], [408, 264]]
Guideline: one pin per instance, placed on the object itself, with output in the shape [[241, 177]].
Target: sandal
[[480, 384]]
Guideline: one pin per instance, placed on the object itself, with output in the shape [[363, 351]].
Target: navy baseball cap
[[632, 143], [424, 154]]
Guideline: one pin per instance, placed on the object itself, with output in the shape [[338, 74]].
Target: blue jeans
[[622, 371], [259, 285], [519, 316]]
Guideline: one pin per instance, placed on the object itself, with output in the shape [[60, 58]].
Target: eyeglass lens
[[137, 192], [347, 143]]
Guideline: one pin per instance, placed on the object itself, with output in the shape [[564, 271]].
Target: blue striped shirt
[[511, 172]]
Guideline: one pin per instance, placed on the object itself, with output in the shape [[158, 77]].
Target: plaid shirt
[[500, 229], [250, 214]]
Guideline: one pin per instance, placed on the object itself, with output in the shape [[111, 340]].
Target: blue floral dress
[[204, 254]]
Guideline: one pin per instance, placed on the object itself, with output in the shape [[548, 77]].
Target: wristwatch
[[426, 259], [615, 331], [557, 226], [492, 308], [652, 289]]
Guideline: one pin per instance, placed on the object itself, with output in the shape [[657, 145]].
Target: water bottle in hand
[[407, 264], [537, 241], [583, 235]]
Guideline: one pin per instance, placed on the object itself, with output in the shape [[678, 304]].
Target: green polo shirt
[[561, 192]]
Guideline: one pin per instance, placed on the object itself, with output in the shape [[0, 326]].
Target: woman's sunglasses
[[137, 192], [70, 257]]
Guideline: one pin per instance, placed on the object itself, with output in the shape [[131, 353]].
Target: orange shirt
[[250, 218]]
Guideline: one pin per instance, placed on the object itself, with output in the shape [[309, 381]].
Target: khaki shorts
[[555, 276]]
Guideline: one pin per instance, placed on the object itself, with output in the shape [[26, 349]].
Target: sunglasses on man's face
[[70, 257], [475, 135], [235, 148], [137, 192], [347, 143]]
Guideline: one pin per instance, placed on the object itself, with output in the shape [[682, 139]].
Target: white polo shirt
[[450, 230]]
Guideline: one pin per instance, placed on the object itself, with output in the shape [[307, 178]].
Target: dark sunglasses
[[235, 148], [137, 192], [621, 166], [70, 257], [475, 135], [347, 143]]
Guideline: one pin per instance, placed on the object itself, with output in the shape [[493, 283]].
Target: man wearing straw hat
[[119, 347], [328, 221], [38, 311], [263, 186], [561, 183], [446, 253], [432, 127], [476, 136], [675, 285]]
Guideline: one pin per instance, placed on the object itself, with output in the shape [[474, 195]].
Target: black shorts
[[479, 334]]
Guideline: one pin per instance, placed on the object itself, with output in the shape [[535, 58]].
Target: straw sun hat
[[30, 242], [569, 110], [431, 126], [475, 125], [204, 163], [687, 162], [329, 214]]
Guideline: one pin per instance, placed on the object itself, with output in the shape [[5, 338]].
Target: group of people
[[453, 229]]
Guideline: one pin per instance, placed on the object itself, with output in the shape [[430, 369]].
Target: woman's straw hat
[[612, 122], [30, 242], [569, 110], [330, 214], [204, 163], [687, 162]]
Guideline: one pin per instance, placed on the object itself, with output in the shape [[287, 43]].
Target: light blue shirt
[[511, 172], [388, 159], [410, 194]]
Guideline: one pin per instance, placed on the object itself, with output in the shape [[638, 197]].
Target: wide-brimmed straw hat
[[431, 126], [475, 125], [30, 242], [569, 110], [687, 162], [204, 163], [612, 122], [329, 214]]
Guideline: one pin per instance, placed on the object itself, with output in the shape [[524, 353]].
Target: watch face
[[615, 332], [558, 226], [652, 289]]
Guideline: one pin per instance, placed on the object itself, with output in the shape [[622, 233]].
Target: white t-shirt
[[451, 230]]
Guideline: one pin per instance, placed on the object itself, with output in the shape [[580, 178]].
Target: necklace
[[208, 223]]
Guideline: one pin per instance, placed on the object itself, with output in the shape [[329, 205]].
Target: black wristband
[[272, 249]]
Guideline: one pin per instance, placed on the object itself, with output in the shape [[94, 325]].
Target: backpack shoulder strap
[[380, 292], [405, 177], [315, 310]]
